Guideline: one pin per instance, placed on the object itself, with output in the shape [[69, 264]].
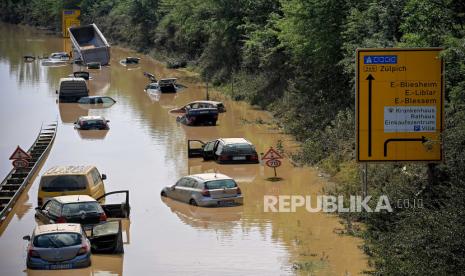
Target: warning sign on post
[[399, 104]]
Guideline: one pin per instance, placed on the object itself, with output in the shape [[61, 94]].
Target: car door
[[107, 238], [116, 210], [208, 150], [42, 213], [193, 151]]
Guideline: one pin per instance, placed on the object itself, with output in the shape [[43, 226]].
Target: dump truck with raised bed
[[89, 44]]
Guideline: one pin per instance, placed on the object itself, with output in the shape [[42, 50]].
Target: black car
[[91, 123], [199, 116], [81, 209], [224, 150]]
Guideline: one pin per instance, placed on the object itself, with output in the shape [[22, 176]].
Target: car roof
[[57, 228], [209, 102], [203, 177], [84, 118], [95, 97], [72, 79], [229, 141], [61, 53], [74, 199], [65, 170]]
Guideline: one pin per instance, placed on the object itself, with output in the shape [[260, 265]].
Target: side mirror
[[104, 176], [27, 238], [172, 188]]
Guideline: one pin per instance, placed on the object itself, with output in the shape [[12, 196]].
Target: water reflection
[[210, 219], [70, 112], [92, 134], [242, 173]]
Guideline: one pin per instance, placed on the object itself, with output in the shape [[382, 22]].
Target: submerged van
[[72, 89], [71, 180]]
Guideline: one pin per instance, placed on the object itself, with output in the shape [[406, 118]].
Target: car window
[[57, 240], [191, 183], [47, 205], [60, 183], [99, 100], [219, 148], [220, 184], [77, 208], [182, 182], [107, 100], [239, 148], [55, 209], [95, 176], [209, 146], [84, 100]]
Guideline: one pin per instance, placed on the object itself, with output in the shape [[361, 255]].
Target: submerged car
[[224, 150], [104, 100], [130, 61], [58, 246], [59, 58], [82, 209], [63, 56], [200, 104], [199, 116], [207, 189], [92, 122]]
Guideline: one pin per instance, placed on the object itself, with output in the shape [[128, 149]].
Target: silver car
[[206, 189]]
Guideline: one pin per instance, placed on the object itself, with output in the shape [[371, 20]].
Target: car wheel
[[193, 202], [163, 194]]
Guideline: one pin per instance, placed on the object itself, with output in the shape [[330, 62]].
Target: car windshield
[[59, 183], [239, 148], [57, 240], [220, 184], [92, 123], [73, 209]]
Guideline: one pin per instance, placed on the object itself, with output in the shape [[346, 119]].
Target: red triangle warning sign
[[271, 154], [19, 153]]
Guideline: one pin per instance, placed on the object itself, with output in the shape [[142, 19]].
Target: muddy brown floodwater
[[144, 150]]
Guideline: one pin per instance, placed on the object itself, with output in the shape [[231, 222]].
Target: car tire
[[193, 202]]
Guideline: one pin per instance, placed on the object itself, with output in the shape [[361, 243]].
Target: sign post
[[272, 157], [70, 18], [399, 105]]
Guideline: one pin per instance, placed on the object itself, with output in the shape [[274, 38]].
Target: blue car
[[58, 246]]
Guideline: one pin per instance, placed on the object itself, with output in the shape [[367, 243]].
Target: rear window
[[77, 208], [220, 184], [239, 148], [57, 240], [92, 123], [61, 183]]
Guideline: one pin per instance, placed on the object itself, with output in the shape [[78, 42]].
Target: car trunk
[[85, 218], [58, 254], [223, 193]]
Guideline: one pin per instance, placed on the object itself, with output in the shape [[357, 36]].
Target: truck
[[72, 89], [89, 44]]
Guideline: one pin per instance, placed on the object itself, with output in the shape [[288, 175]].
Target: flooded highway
[[144, 150]]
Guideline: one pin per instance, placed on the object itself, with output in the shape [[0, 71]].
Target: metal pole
[[365, 181]]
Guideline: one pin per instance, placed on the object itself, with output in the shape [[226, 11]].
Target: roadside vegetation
[[296, 58]]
